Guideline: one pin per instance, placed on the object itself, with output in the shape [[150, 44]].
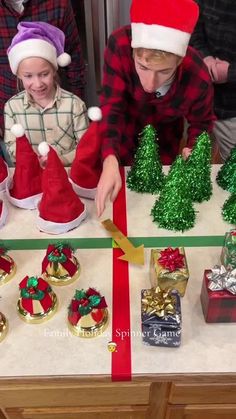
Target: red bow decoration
[[171, 259], [68, 264], [85, 302], [46, 302], [5, 265]]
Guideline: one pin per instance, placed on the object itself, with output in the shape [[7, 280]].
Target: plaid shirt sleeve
[[9, 138], [75, 72], [200, 93], [113, 97], [198, 38], [80, 118]]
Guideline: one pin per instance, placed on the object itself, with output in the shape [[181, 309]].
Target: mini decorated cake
[[60, 266], [37, 301], [3, 326], [88, 314], [7, 266]]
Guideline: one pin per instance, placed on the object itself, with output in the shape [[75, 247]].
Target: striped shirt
[[61, 124]]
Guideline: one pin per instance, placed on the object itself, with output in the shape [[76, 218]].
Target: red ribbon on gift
[[68, 264], [171, 259], [27, 303], [5, 265]]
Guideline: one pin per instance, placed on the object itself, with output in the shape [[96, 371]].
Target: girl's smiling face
[[38, 78]]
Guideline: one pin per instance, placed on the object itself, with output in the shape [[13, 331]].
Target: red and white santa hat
[[164, 25], [3, 213], [24, 190], [3, 174], [60, 209], [87, 165]]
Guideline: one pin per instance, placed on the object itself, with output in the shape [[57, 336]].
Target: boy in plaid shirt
[[47, 112], [151, 76]]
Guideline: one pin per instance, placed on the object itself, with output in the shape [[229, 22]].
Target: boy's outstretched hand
[[109, 183]]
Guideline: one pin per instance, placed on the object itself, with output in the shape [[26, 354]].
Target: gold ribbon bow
[[158, 302]]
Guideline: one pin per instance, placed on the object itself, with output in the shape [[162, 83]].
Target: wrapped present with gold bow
[[37, 301], [161, 317], [228, 254], [3, 326], [60, 266], [169, 269], [7, 266], [87, 313], [218, 295]]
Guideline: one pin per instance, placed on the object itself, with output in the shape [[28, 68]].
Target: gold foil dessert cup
[[4, 276], [88, 326], [3, 327], [56, 274], [39, 316]]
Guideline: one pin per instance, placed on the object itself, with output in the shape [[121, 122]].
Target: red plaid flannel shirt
[[56, 12], [127, 108]]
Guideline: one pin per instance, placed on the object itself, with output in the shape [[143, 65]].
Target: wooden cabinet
[[201, 412], [78, 413], [72, 399], [201, 401], [75, 398]]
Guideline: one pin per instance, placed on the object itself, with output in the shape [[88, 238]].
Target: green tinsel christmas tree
[[146, 173], [226, 172], [199, 169], [174, 208], [229, 209]]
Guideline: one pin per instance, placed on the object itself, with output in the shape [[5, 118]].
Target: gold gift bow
[[158, 302]]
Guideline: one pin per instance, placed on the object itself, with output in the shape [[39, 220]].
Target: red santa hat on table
[[24, 190], [87, 167], [164, 25], [3, 174], [3, 213], [38, 39], [60, 209]]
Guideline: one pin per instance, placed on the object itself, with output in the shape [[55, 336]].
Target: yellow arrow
[[131, 254]]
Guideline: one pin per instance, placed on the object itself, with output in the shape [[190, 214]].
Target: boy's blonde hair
[[153, 55]]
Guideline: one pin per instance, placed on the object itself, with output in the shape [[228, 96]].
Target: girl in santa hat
[[46, 112]]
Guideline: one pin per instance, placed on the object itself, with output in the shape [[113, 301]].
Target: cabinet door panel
[[188, 393], [2, 416], [103, 412], [201, 412]]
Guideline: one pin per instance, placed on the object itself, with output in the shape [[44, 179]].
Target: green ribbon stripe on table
[[107, 243]]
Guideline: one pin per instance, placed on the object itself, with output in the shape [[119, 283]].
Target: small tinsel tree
[[229, 209], [226, 172], [198, 167], [174, 209], [146, 173]]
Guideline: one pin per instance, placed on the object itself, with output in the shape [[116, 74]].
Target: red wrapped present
[[218, 295]]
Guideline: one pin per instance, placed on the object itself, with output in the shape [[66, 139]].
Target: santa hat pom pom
[[94, 113], [64, 59], [43, 148], [17, 130]]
